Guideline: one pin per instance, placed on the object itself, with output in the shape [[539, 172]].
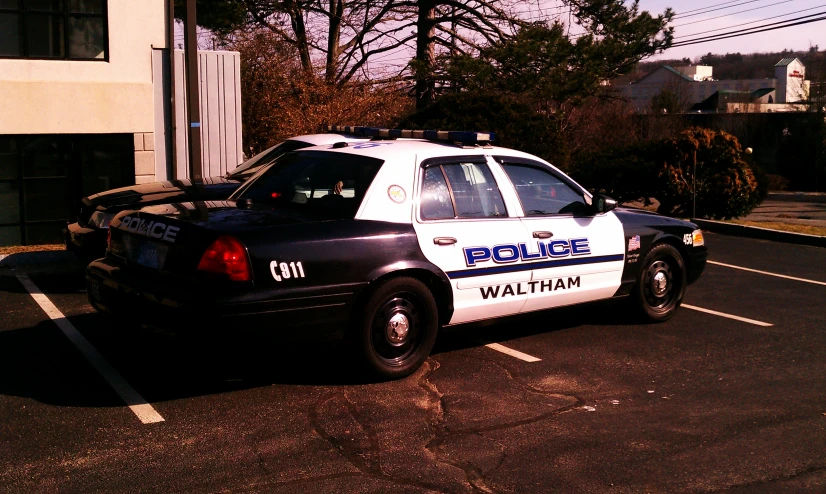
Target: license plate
[[151, 255]]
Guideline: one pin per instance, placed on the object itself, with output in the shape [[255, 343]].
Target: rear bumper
[[183, 307], [87, 243]]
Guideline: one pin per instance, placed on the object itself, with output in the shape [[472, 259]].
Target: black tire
[[388, 349], [660, 284]]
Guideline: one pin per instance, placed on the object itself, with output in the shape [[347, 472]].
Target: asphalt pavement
[[728, 395]]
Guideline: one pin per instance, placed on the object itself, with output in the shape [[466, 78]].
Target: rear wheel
[[661, 283], [395, 334]]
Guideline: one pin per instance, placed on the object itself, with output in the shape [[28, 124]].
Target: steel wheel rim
[[396, 351], [658, 285]]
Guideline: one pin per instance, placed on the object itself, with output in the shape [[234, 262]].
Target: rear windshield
[[248, 168], [330, 185]]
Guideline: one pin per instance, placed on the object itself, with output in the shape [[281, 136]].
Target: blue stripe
[[468, 273]]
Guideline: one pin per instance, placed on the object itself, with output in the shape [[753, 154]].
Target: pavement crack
[[474, 477]]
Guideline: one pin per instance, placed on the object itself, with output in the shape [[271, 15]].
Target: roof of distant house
[[668, 68], [785, 61], [759, 93]]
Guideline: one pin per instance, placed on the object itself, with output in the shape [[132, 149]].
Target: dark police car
[[383, 242], [87, 236]]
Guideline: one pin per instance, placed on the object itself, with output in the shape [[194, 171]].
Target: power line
[[732, 13], [707, 7], [680, 16], [719, 37], [756, 27], [750, 22]]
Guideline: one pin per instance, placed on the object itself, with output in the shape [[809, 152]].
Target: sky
[[729, 14], [691, 18]]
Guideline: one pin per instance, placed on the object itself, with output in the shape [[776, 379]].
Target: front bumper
[[189, 306], [86, 243], [696, 264]]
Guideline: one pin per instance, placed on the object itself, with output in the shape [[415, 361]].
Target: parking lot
[[729, 394]]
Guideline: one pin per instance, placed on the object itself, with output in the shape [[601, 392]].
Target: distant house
[[84, 108], [697, 90]]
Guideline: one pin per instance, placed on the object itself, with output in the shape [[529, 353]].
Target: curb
[[796, 196], [42, 257], [760, 233]]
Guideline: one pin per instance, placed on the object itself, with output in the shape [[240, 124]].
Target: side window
[[542, 193], [460, 190]]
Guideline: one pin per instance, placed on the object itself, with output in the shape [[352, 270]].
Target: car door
[[464, 228], [578, 256]]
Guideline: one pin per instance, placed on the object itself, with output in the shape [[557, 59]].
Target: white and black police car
[[383, 242]]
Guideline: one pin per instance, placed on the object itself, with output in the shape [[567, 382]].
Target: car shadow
[[40, 363], [471, 335]]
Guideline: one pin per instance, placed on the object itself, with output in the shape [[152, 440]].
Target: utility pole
[[172, 159], [192, 101], [694, 187]]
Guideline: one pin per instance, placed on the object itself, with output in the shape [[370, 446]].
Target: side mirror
[[603, 203]]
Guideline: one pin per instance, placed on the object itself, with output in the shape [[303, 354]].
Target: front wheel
[[395, 334], [660, 284]]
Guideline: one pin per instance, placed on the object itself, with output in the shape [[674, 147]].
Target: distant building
[[696, 89]]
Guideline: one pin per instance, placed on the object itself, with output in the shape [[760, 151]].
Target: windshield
[[248, 168], [331, 185]]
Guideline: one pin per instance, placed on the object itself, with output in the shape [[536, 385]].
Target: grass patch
[[786, 227]]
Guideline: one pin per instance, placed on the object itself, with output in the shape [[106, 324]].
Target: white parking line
[[767, 273], [144, 411], [512, 352], [730, 316]]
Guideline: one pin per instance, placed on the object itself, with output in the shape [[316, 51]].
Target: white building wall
[[791, 84], [83, 97]]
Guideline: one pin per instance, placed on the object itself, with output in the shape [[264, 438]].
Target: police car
[[383, 242]]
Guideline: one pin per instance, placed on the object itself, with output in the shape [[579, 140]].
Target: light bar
[[463, 137]]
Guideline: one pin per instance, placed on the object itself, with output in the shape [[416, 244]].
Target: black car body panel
[[321, 302], [653, 229]]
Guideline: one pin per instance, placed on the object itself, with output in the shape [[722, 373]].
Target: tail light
[[108, 238], [228, 257]]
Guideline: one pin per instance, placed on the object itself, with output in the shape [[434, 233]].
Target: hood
[[626, 209]]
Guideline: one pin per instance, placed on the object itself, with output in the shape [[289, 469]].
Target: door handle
[[542, 234], [444, 240]]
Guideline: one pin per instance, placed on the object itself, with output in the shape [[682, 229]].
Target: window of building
[[460, 190], [54, 29], [43, 178]]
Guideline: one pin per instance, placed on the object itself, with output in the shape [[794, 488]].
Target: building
[[695, 88], [85, 107]]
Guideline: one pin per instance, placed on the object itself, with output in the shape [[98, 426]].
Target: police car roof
[[328, 138], [391, 150]]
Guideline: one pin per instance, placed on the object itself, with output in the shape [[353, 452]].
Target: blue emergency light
[[463, 137]]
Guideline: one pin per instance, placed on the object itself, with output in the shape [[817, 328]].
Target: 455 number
[[285, 271]]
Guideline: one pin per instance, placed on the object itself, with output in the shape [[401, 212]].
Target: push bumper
[[185, 306]]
